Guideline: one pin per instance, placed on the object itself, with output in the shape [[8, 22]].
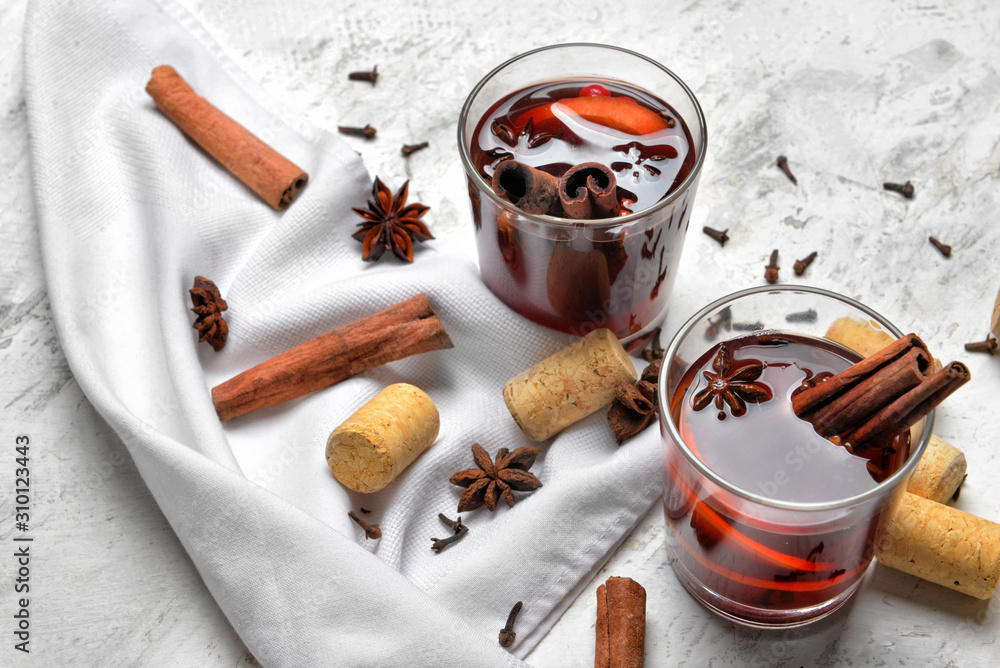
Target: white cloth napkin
[[130, 211]]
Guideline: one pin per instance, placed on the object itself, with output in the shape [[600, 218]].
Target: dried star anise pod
[[390, 224], [208, 306], [732, 388], [491, 480], [635, 405]]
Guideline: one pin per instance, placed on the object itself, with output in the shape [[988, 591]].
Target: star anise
[[734, 388], [635, 405], [390, 224], [490, 480], [209, 305], [518, 141]]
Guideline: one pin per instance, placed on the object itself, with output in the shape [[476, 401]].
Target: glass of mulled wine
[[769, 524], [612, 127]]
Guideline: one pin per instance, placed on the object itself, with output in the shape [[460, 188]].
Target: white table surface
[[854, 94]]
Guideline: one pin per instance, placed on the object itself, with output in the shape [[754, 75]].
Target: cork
[[939, 473], [862, 336], [373, 446], [941, 544], [569, 385]]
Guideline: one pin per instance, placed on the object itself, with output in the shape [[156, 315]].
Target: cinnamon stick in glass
[[265, 171], [907, 410], [589, 191], [406, 329], [529, 189], [881, 395]]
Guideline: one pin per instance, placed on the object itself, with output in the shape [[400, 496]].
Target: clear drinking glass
[[739, 551], [570, 275]]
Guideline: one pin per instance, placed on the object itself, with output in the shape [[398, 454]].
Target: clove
[[800, 266], [412, 148], [943, 247], [904, 189], [655, 350], [748, 326], [723, 319], [507, 634], [802, 316], [721, 237], [671, 121], [458, 532], [783, 166], [987, 346], [370, 77], [368, 132], [771, 270], [371, 530]]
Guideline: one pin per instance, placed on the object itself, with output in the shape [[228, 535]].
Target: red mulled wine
[[576, 277], [733, 410]]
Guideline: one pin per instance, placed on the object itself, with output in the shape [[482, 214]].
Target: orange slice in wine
[[617, 113]]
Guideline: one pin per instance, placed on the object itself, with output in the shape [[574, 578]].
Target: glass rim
[[879, 490], [556, 221]]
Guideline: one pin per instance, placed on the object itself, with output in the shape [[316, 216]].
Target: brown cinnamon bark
[[821, 392], [880, 396], [861, 401], [909, 408], [589, 191], [408, 328], [269, 174], [529, 189], [621, 624]]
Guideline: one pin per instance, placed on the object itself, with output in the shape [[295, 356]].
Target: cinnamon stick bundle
[[586, 191], [265, 171], [881, 395], [406, 329]]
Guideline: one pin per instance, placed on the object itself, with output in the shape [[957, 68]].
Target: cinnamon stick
[[265, 171], [816, 395], [406, 329], [621, 624], [861, 401], [529, 189], [880, 396], [907, 410], [589, 191]]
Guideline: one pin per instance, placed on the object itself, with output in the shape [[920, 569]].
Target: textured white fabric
[[130, 211]]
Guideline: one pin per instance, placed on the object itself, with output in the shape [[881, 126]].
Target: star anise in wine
[[732, 387], [523, 139], [390, 223], [208, 306], [635, 405], [490, 480]]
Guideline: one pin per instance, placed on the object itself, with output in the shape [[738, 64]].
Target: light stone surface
[[853, 93]]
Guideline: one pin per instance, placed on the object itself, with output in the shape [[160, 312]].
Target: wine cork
[[861, 336], [373, 446], [941, 544], [939, 473], [569, 385]]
